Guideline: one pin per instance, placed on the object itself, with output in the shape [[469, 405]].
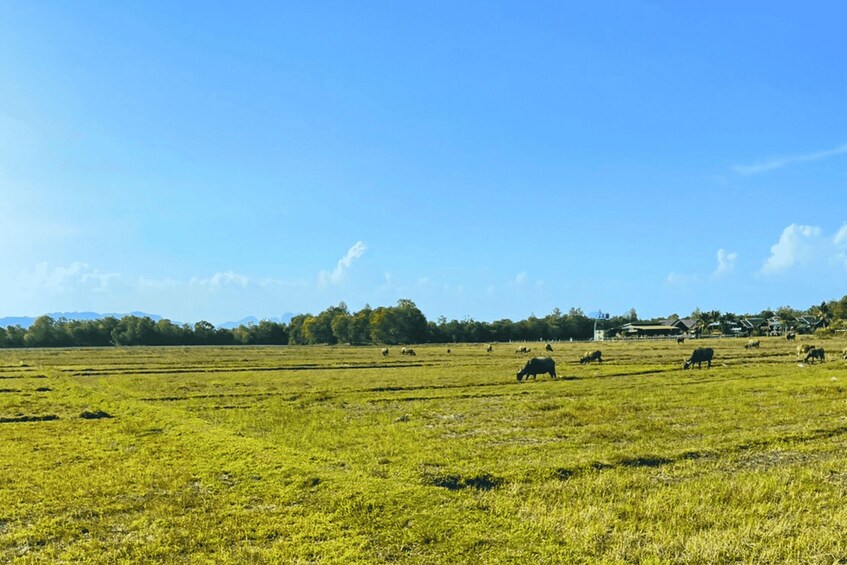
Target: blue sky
[[484, 159]]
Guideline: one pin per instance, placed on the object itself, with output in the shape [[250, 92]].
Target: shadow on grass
[[482, 481], [47, 418]]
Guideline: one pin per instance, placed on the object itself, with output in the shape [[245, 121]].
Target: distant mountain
[[26, 321], [284, 319]]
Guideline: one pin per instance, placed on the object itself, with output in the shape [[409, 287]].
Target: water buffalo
[[489, 349], [407, 351], [548, 347], [790, 336], [753, 343], [591, 356], [538, 365], [816, 353], [384, 351], [804, 348], [698, 356], [522, 349], [680, 339]]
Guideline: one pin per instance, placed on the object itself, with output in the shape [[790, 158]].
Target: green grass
[[341, 455]]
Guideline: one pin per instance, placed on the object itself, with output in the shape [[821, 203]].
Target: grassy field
[[341, 455]]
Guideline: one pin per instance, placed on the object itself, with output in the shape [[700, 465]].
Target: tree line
[[385, 325]]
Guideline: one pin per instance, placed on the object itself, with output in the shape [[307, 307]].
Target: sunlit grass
[[338, 454]]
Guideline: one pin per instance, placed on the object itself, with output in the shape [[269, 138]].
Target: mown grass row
[[338, 454]]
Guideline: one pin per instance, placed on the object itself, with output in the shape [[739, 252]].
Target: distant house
[[715, 328], [808, 324], [753, 325], [776, 326], [648, 330], [735, 329], [685, 325]]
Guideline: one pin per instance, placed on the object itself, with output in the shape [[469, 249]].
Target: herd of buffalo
[[546, 365]]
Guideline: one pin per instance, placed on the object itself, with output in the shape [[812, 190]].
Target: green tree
[[822, 312], [15, 336], [42, 333], [384, 327], [410, 321], [839, 309], [360, 327], [341, 325], [296, 335], [134, 330], [271, 333], [318, 329], [168, 333]]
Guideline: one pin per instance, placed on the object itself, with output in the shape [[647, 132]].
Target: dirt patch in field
[[645, 462], [95, 415], [482, 481], [562, 473]]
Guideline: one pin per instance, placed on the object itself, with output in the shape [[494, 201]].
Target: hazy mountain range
[[26, 321], [284, 319]]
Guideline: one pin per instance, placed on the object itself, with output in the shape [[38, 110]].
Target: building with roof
[[647, 330], [685, 325]]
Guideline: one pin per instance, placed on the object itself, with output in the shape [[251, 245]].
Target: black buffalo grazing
[[698, 356], [816, 353], [536, 366], [804, 348], [407, 351], [680, 339], [489, 349], [753, 343], [591, 356], [548, 347], [790, 336], [522, 349], [384, 351]]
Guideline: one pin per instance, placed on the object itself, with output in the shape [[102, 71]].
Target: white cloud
[[326, 278], [798, 244], [779, 162], [521, 278], [221, 280], [145, 284], [679, 278], [726, 263], [63, 279], [841, 236], [840, 242]]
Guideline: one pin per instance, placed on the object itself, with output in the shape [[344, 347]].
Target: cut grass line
[[202, 370], [18, 419], [564, 473], [207, 396], [452, 396]]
